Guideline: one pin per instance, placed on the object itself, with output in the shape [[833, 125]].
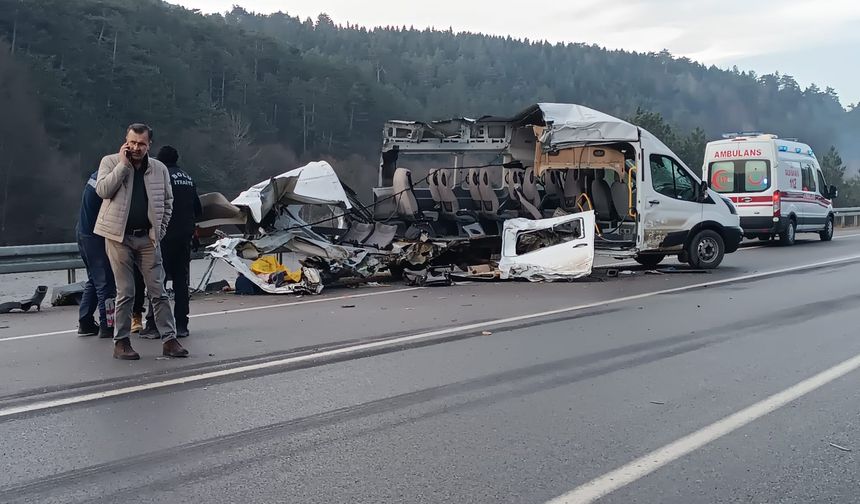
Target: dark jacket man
[[100, 282], [176, 243]]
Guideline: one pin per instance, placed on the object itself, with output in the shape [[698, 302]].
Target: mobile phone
[[128, 154]]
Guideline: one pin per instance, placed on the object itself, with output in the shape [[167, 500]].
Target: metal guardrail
[[35, 258], [65, 256], [50, 257], [843, 215]]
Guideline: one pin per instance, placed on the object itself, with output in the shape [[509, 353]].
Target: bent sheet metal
[[558, 248]]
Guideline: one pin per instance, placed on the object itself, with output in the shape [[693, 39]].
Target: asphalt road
[[484, 393]]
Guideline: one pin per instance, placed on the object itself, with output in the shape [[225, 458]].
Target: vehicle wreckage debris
[[304, 229], [838, 447], [673, 269], [24, 306], [218, 286]]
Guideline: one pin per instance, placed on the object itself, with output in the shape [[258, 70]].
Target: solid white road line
[[641, 467], [243, 310], [323, 300], [238, 370]]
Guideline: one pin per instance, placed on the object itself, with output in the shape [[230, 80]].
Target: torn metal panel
[[483, 272], [429, 277], [314, 184], [569, 124], [558, 248], [218, 211], [227, 250]]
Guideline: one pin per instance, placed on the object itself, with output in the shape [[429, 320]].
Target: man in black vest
[[176, 244]]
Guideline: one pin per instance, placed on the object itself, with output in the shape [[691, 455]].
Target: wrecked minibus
[[477, 178]]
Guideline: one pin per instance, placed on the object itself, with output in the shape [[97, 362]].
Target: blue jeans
[[100, 284]]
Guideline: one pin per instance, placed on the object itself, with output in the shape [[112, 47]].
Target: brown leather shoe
[[122, 350], [172, 348]]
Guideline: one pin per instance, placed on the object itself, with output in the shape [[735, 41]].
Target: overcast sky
[[813, 40]]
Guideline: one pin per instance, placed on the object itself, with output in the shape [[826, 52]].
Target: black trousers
[[176, 259], [139, 293]]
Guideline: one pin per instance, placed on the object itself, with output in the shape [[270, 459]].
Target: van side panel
[[802, 197]]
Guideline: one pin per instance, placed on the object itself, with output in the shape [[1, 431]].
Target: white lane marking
[[42, 405], [322, 300], [768, 245], [241, 310], [641, 467]]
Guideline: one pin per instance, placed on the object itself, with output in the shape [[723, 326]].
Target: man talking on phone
[[138, 203]]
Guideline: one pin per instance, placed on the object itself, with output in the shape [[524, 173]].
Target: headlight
[[731, 205]]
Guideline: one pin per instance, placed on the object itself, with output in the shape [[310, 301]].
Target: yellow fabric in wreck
[[268, 265]]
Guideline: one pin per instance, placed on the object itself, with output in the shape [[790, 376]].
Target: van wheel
[[787, 237], [650, 261], [827, 234], [706, 250]]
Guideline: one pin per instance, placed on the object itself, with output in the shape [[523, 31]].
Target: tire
[[706, 250], [827, 234], [787, 237], [650, 261]]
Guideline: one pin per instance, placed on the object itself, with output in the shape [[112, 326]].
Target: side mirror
[[703, 191], [834, 192]]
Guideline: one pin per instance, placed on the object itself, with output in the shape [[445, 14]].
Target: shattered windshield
[[532, 240]]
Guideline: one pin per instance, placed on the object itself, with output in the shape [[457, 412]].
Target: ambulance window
[[808, 179], [755, 176], [723, 176]]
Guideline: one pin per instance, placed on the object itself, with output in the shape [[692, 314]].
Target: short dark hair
[[168, 155], [140, 129]]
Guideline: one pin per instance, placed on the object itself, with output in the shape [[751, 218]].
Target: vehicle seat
[[513, 183], [530, 188], [449, 205], [574, 184], [490, 207], [601, 195], [475, 188], [407, 204], [433, 184], [382, 236], [621, 199], [358, 232], [526, 208], [553, 184]]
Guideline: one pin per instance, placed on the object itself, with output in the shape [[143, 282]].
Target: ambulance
[[776, 184]]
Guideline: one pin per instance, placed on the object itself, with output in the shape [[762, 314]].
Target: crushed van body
[[534, 196]]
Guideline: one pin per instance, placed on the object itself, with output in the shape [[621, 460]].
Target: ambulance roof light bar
[[737, 134]]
